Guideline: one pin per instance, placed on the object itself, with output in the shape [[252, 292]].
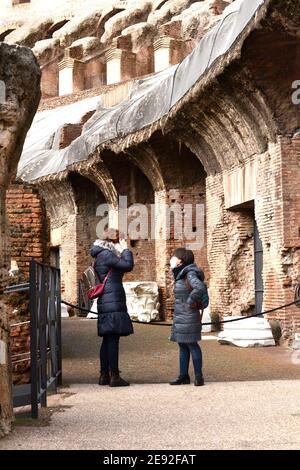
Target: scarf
[[107, 245], [178, 269]]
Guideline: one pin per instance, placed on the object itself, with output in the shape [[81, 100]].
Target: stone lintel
[[240, 185]]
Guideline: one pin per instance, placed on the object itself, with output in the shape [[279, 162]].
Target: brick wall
[[20, 346], [230, 239], [230, 254], [49, 80], [28, 226], [290, 255]]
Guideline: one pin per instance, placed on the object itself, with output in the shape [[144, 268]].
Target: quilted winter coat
[[112, 309], [186, 326]]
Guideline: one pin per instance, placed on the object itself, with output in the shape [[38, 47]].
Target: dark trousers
[[109, 353], [185, 350]]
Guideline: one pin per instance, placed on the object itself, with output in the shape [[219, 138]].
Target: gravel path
[[232, 415], [251, 399]]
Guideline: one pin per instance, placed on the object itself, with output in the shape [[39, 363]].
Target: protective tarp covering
[[149, 100]]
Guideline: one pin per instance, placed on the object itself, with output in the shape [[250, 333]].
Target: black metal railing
[[45, 332], [45, 336]]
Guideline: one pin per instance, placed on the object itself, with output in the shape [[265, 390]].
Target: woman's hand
[[193, 305], [123, 244]]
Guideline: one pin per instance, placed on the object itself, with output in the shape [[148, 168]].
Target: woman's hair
[[186, 256], [111, 235]]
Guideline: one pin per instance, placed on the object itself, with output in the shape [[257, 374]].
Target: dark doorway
[[55, 257]]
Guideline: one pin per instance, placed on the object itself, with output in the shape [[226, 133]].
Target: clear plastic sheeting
[[150, 99], [39, 157]]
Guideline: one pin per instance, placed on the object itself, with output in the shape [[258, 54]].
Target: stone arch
[[231, 122], [6, 33], [61, 209], [71, 204], [99, 174], [144, 157], [165, 162], [184, 180], [59, 198], [106, 15], [55, 27], [158, 4], [8, 28]]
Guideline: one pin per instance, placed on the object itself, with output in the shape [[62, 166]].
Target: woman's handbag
[[97, 290]]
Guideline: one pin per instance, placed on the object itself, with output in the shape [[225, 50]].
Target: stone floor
[[149, 357], [251, 399], [228, 415]]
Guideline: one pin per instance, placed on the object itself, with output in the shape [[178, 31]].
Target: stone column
[[71, 75], [167, 52], [120, 65]]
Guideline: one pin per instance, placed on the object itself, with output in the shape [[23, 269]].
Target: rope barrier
[[21, 360], [18, 324], [21, 354], [221, 322]]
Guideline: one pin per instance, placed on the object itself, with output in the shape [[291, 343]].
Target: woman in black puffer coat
[[189, 289], [112, 259]]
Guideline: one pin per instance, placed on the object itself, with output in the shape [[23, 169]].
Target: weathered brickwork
[[230, 239], [230, 248], [28, 226], [20, 353]]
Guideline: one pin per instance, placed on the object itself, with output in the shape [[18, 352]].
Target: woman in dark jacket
[[186, 329], [112, 259]]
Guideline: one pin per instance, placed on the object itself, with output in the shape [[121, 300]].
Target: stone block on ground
[[249, 333]]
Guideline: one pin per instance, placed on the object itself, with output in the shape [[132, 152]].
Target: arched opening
[[55, 27], [131, 182], [6, 33], [100, 30], [185, 197], [87, 198], [159, 4]]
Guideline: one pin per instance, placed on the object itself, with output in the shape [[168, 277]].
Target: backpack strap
[[106, 277]]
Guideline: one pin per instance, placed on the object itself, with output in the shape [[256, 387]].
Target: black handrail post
[[42, 339], [58, 312], [33, 341]]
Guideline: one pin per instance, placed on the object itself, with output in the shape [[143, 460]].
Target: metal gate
[[45, 336], [45, 332]]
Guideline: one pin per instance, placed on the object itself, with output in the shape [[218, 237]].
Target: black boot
[[104, 378], [181, 380], [117, 381], [199, 381]]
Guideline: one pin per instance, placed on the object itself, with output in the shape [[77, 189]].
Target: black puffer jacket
[[186, 321], [113, 316]]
